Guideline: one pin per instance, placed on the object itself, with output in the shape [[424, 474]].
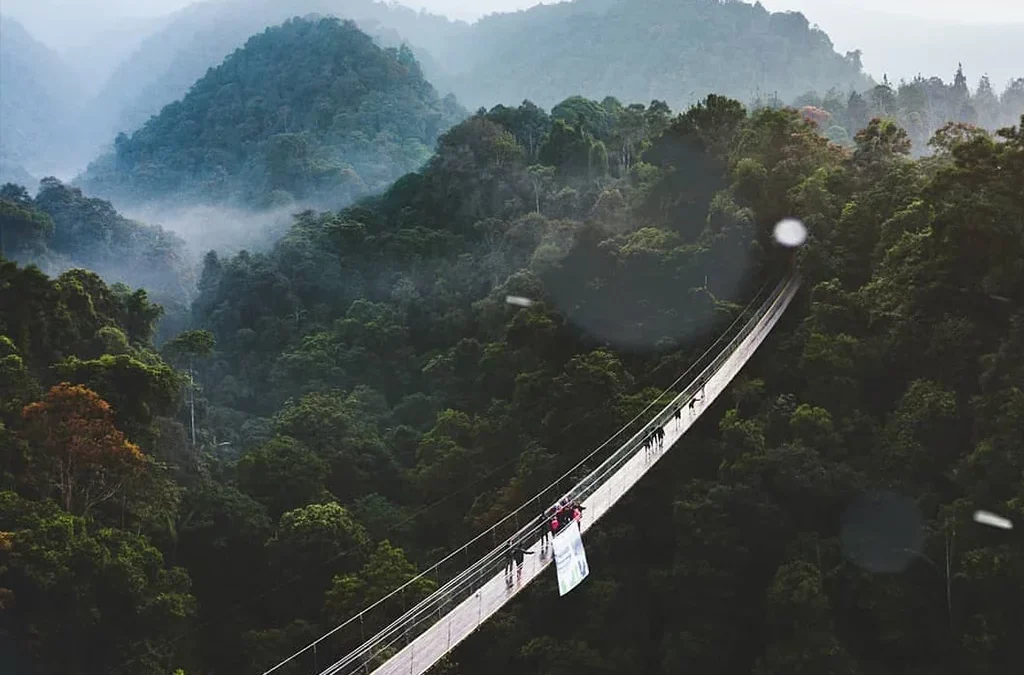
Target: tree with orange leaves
[[77, 450]]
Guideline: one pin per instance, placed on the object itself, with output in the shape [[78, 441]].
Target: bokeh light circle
[[882, 531], [790, 232]]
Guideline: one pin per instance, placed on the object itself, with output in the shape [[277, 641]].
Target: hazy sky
[[66, 23]]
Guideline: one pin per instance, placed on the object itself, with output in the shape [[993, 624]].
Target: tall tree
[[190, 346], [79, 451]]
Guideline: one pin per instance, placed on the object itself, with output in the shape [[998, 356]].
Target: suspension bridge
[[423, 634]]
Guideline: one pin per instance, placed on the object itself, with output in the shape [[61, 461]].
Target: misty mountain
[[311, 112], [39, 96], [674, 50], [903, 47], [97, 55], [197, 38], [12, 172]]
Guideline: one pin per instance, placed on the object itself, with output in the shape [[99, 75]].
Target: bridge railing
[[461, 580], [589, 484]]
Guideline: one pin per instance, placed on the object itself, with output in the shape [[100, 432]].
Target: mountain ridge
[[477, 61], [195, 39], [312, 109], [39, 97]]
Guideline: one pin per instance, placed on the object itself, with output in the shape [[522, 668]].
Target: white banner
[[570, 558]]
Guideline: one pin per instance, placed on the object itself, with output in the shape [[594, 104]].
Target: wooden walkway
[[431, 646]]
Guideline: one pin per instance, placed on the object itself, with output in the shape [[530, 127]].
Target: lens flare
[[991, 519], [518, 301], [790, 232]]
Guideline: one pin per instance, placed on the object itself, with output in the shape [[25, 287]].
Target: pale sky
[[65, 23], [56, 21]]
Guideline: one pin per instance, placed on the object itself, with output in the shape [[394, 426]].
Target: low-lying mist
[[204, 228], [224, 229]]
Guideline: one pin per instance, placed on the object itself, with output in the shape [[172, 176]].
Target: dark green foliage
[[23, 229], [311, 111], [78, 594], [387, 403], [137, 390], [282, 475], [190, 345], [86, 600], [74, 315]]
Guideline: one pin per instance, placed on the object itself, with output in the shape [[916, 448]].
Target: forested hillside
[[190, 42], [675, 50], [921, 107], [38, 99], [311, 111], [83, 419], [61, 228], [365, 401]]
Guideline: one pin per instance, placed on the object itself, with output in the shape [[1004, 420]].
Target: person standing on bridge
[[545, 529], [509, 561], [564, 514], [577, 513], [697, 398], [556, 522], [520, 553]]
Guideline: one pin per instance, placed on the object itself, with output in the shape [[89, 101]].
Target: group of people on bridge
[[655, 440], [556, 518], [552, 521]]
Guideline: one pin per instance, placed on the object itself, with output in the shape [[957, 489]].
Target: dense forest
[[921, 106], [359, 400], [311, 111], [60, 228]]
